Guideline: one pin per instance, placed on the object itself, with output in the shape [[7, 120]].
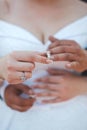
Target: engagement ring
[[23, 77]]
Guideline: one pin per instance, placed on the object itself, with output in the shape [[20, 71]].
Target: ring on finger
[[23, 77], [48, 54]]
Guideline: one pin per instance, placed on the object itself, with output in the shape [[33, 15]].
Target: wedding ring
[[48, 55], [23, 77]]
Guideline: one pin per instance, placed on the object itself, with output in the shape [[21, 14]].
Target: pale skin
[[13, 65], [42, 24], [68, 50]]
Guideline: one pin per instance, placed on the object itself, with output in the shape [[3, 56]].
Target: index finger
[[29, 56], [64, 43]]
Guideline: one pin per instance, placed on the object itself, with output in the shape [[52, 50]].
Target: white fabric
[[69, 115]]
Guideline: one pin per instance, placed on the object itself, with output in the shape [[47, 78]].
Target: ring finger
[[24, 66], [18, 77]]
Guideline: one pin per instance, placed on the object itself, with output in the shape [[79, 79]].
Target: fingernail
[[49, 61], [30, 92], [68, 65]]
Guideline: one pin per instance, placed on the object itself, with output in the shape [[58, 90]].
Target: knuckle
[[57, 43], [13, 54], [72, 41], [67, 56], [29, 75], [9, 65], [33, 57], [47, 79], [62, 49], [78, 49], [9, 75], [48, 86], [62, 79], [32, 66], [56, 57]]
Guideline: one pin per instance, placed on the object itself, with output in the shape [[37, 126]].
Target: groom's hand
[[15, 101]]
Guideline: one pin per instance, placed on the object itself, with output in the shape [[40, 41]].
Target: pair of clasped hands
[[60, 84]]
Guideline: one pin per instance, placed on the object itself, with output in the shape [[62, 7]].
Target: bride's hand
[[68, 50], [15, 101], [61, 85], [18, 66]]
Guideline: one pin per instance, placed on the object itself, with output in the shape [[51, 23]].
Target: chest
[[42, 22]]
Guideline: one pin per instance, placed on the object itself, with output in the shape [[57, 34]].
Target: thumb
[[54, 42], [52, 39], [73, 65], [24, 89]]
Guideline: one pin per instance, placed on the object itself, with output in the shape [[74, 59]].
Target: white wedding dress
[[69, 115]]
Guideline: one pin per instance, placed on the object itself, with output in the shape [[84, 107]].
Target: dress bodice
[[13, 37]]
